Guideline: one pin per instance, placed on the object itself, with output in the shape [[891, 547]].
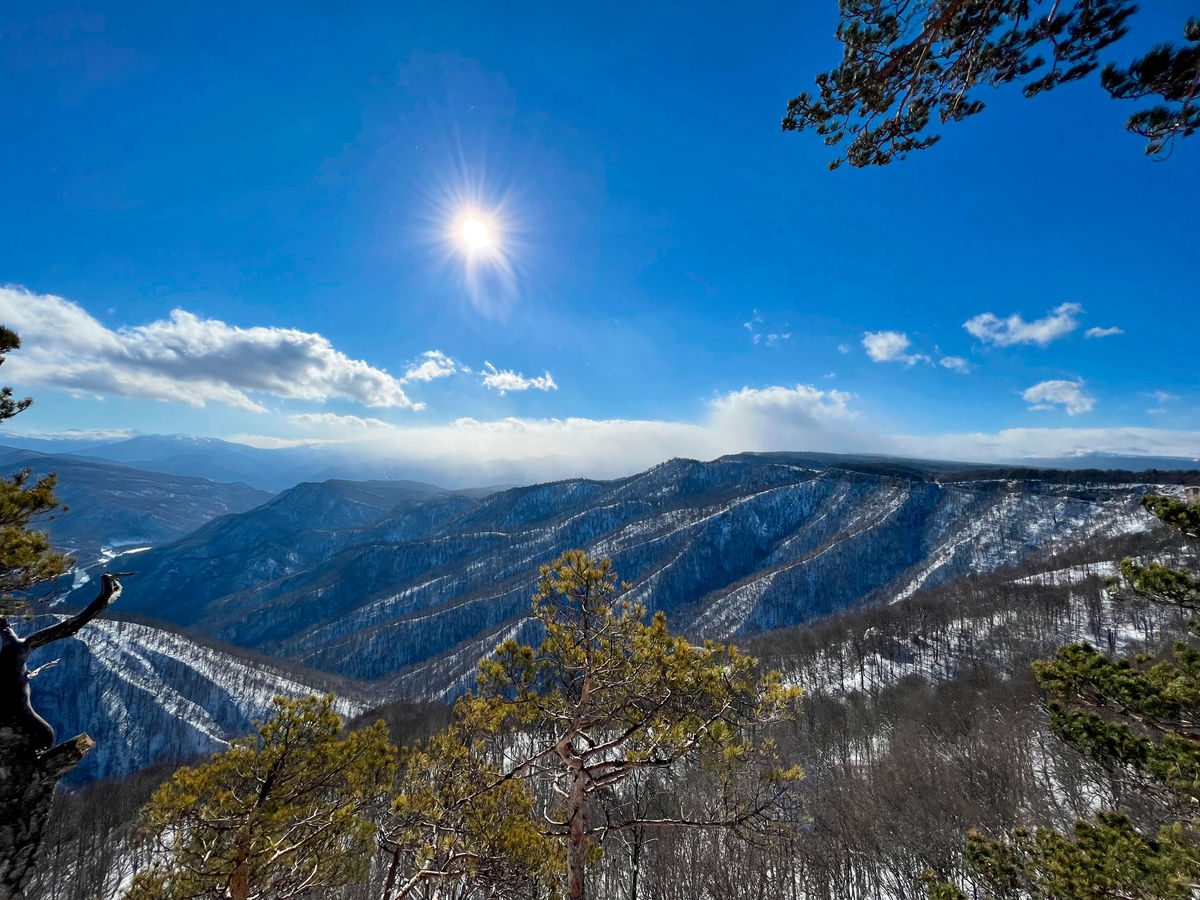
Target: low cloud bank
[[801, 417]]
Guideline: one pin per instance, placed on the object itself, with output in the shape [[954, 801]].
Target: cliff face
[[148, 695]]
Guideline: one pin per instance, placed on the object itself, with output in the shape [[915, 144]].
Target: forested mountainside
[[110, 507], [413, 595], [150, 696], [920, 720]]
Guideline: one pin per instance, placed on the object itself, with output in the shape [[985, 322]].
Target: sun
[[482, 241], [475, 234]]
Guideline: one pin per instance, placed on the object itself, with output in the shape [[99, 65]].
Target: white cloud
[[1103, 332], [802, 402], [891, 346], [843, 348], [1069, 395], [333, 420], [505, 380], [184, 359], [83, 435], [273, 442], [432, 364], [955, 364], [991, 329]]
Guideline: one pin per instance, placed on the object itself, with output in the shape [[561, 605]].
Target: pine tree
[[906, 63], [30, 761], [1137, 718], [287, 812], [451, 824], [26, 558], [607, 696]]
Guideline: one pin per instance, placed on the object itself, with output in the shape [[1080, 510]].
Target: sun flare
[[482, 240], [475, 234]]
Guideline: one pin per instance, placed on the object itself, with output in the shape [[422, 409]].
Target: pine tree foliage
[[9, 407], [26, 557], [911, 65], [1104, 858], [30, 764], [1179, 515], [1170, 73], [451, 828], [1138, 719], [287, 812], [608, 696]]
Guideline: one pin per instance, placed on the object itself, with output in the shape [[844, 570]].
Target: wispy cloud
[[955, 364], [505, 380], [82, 435], [1103, 332], [1161, 399], [891, 346], [1067, 395], [760, 335], [184, 358], [991, 329]]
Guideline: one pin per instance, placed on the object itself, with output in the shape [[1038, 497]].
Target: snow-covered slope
[[731, 547], [148, 695]]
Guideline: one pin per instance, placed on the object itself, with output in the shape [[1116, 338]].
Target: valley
[[394, 590]]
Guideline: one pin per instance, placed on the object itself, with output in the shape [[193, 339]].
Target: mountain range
[[385, 590], [113, 507], [411, 590], [276, 469]]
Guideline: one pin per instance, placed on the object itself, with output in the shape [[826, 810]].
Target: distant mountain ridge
[[1114, 461], [112, 506], [278, 468], [274, 469], [736, 546]]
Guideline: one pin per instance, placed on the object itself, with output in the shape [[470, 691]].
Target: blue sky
[[298, 175]]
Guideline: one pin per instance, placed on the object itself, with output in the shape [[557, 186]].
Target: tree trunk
[[27, 781], [577, 840], [30, 763], [636, 861], [239, 879], [390, 884]]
